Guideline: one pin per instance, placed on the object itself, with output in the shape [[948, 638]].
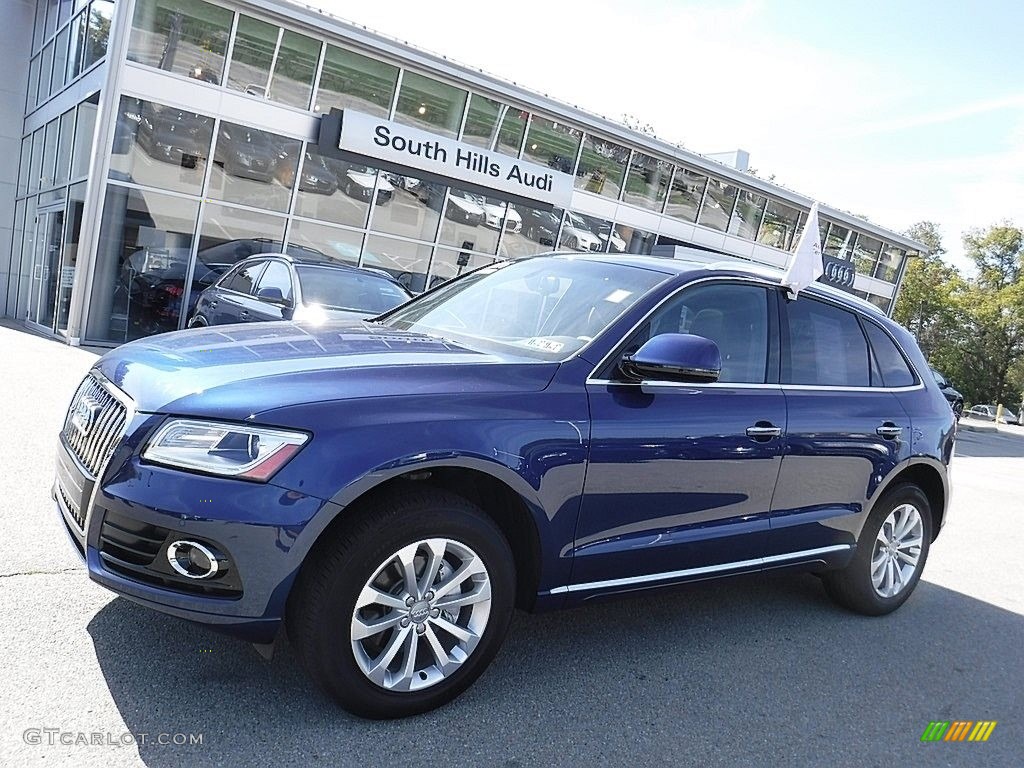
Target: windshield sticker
[[617, 297], [548, 345]]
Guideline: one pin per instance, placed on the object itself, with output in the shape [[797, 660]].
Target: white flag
[[805, 265]]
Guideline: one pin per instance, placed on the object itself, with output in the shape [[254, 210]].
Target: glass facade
[[189, 193]]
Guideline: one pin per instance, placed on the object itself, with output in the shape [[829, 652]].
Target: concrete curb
[[975, 426]]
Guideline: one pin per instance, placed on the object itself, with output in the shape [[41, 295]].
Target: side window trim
[[291, 282], [606, 370], [260, 264]]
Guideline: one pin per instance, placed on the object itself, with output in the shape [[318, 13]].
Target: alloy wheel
[[421, 614], [897, 550]]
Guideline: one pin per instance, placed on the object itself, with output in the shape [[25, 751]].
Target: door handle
[[764, 430], [889, 431], [244, 313]]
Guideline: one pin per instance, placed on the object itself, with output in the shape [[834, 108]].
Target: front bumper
[[263, 529]]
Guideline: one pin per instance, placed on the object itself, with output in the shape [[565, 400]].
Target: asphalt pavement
[[757, 670]]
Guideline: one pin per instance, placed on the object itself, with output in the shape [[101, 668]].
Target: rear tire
[[890, 557], [354, 582]]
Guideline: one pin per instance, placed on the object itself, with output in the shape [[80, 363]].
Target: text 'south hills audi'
[[536, 433]]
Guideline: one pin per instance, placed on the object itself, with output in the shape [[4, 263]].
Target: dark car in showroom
[[246, 153], [953, 397], [278, 286], [537, 433], [173, 135]]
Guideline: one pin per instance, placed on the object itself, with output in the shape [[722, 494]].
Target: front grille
[[94, 423], [134, 550], [73, 508]]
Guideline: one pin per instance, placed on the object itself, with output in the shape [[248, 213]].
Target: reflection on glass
[[840, 242], [72, 233], [685, 194], [255, 42], [413, 212], [494, 126], [632, 240], [449, 263], [552, 144], [297, 58], [306, 238], [407, 262], [40, 26], [250, 166], [779, 226], [76, 47], [36, 169], [141, 264], [586, 233], [321, 178], [602, 167], [351, 80], [879, 301], [228, 235], [84, 126], [45, 70], [430, 104], [65, 142], [747, 216], [177, 140], [100, 14], [23, 166], [718, 204], [472, 221], [16, 243], [33, 84], [537, 234], [889, 263], [866, 253], [188, 37], [647, 182], [28, 247], [49, 154], [60, 62]]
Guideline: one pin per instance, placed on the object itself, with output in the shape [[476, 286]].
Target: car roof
[[714, 263], [324, 262]]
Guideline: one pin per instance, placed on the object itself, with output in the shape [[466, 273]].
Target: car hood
[[238, 371]]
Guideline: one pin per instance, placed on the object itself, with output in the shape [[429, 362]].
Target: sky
[[898, 111]]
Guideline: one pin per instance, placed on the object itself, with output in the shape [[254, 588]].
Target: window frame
[[222, 284], [607, 371], [292, 281]]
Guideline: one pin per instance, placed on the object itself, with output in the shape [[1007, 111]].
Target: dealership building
[[148, 145]]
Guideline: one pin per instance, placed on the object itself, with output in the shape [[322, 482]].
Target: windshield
[[545, 307], [348, 289]]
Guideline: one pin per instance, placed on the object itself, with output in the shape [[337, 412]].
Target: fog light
[[193, 560]]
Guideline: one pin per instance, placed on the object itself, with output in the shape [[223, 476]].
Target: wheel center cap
[[419, 611]]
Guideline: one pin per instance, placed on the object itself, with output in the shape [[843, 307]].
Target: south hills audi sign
[[402, 148]]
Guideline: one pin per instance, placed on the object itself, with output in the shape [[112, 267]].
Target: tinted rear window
[[891, 365], [826, 346]]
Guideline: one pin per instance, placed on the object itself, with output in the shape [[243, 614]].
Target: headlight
[[252, 453]]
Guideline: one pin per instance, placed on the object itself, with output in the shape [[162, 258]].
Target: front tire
[[890, 556], [402, 608]]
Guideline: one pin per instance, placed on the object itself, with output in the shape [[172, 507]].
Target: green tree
[[930, 305], [994, 305]]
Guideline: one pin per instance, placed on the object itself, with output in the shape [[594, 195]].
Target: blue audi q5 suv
[[535, 434]]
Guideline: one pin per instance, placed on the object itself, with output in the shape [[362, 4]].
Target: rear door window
[[892, 367], [245, 278], [826, 346]]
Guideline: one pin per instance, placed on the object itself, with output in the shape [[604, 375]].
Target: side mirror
[[674, 357], [272, 294]]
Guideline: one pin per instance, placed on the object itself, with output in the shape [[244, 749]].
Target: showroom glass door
[[46, 274]]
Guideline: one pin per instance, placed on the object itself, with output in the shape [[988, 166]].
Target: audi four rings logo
[[840, 273], [85, 414]]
